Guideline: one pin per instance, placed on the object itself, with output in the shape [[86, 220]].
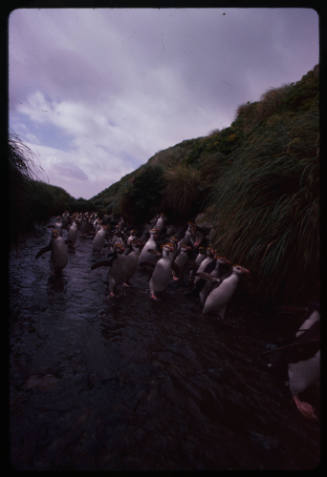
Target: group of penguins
[[167, 252]]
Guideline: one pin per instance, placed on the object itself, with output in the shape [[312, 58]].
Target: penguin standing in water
[[203, 266], [304, 362], [181, 262], [162, 272], [72, 234], [219, 297], [115, 262], [59, 251], [148, 255], [221, 271], [130, 261], [99, 238]]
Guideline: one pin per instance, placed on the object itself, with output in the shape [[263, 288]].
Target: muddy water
[[131, 384]]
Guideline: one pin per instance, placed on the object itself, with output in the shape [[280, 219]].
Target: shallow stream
[[132, 384]]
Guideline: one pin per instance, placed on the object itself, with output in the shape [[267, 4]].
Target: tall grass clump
[[30, 200], [267, 218], [182, 194], [140, 198]]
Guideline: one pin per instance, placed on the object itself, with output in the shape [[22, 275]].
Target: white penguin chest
[[304, 373]]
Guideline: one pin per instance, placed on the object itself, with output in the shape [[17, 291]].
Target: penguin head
[[191, 226], [241, 270], [154, 232], [185, 247], [167, 247], [223, 260], [119, 248]]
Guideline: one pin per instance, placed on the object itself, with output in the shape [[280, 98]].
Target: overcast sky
[[94, 93]]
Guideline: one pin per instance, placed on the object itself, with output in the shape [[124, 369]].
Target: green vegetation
[[31, 200], [257, 181]]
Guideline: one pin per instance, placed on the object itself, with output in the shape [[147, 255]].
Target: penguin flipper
[[42, 251], [207, 276]]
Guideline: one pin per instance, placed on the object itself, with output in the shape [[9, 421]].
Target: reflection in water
[[56, 282]]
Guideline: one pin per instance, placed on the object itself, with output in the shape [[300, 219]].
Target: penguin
[[99, 238], [118, 270], [72, 234], [209, 259], [65, 219], [199, 236], [189, 235], [220, 271], [115, 262], [181, 261], [160, 222], [57, 225], [118, 237], [304, 363], [131, 261], [200, 256], [59, 252], [218, 299], [149, 251], [131, 237], [162, 271]]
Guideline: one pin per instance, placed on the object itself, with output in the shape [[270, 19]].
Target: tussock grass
[[269, 221], [182, 190], [30, 200]]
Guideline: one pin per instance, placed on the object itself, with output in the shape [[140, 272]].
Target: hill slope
[[257, 181]]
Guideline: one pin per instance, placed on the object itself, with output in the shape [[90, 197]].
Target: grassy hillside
[[257, 181], [31, 200]]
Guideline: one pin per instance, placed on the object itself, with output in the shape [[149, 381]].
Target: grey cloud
[[70, 171], [170, 74]]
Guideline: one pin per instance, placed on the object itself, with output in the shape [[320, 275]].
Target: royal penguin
[[162, 272], [200, 256], [131, 237], [199, 237], [65, 219], [59, 251], [148, 255], [304, 362], [221, 271], [99, 238], [189, 236], [209, 259], [219, 297], [181, 262], [115, 261], [160, 222], [72, 234], [131, 261]]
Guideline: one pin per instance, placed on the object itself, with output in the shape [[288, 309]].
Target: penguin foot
[[111, 295], [154, 297], [175, 278], [125, 284], [305, 409]]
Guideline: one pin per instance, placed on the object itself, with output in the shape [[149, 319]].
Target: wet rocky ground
[[132, 384]]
